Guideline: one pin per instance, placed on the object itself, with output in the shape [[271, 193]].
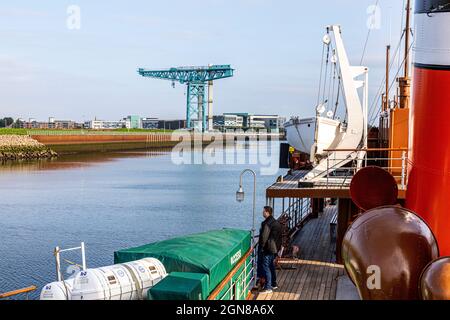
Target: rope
[[331, 79], [338, 94], [378, 95], [326, 72], [73, 263], [321, 69]]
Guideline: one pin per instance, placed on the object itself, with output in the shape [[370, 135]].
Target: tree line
[[6, 122]]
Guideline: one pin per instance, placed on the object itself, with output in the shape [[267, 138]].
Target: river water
[[113, 201]]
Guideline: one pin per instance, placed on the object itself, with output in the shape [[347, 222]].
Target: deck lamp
[[240, 194]]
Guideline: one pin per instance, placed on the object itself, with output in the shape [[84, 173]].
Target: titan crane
[[196, 79]]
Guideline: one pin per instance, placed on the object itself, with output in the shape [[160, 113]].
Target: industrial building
[[150, 123], [171, 124], [51, 124], [130, 122], [104, 124], [248, 122]]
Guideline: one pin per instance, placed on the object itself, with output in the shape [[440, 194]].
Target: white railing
[[57, 252], [397, 166]]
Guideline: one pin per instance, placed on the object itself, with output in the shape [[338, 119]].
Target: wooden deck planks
[[314, 276]]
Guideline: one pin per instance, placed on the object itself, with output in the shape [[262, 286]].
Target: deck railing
[[237, 284], [341, 176]]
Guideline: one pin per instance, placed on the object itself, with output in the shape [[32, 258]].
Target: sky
[[48, 68]]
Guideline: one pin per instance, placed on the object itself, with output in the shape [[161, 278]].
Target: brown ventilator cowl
[[373, 187], [384, 252], [435, 280]]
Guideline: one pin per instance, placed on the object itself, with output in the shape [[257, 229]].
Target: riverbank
[[66, 142], [22, 147], [84, 143]]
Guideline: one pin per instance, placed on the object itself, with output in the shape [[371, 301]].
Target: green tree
[[6, 122]]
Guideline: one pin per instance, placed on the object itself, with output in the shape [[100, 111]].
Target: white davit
[[125, 281]]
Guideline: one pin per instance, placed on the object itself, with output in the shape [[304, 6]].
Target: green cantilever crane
[[196, 79]]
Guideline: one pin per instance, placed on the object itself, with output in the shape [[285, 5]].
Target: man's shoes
[[275, 288], [266, 291]]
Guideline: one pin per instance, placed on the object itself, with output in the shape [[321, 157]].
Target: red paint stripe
[[428, 190]]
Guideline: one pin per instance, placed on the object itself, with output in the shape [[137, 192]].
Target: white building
[[104, 124]]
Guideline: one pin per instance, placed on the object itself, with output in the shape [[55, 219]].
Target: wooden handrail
[[230, 275], [16, 292], [369, 149]]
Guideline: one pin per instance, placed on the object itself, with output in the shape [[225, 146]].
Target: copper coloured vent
[[384, 252], [373, 187], [435, 280]]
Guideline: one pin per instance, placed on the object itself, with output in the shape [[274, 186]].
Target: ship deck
[[314, 275], [287, 187]]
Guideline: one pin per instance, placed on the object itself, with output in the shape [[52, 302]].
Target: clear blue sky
[[275, 47]]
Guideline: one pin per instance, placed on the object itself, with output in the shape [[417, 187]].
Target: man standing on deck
[[269, 245]]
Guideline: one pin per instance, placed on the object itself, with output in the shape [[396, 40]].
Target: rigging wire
[[334, 83], [338, 94], [402, 30], [390, 86], [321, 70], [326, 72], [329, 97], [377, 97]]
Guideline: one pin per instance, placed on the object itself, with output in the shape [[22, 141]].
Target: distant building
[[104, 124], [281, 122], [133, 122], [51, 124], [171, 124], [149, 123], [248, 122]]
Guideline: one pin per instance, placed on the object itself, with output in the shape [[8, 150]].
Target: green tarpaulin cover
[[214, 253], [181, 286]]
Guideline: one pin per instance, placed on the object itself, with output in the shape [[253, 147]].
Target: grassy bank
[[8, 131]]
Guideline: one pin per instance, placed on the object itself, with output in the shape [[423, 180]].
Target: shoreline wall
[[92, 142], [66, 144]]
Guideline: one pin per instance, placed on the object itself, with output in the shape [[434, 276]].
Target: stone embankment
[[22, 147]]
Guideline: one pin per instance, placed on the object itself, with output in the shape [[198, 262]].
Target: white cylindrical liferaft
[[125, 281], [59, 290]]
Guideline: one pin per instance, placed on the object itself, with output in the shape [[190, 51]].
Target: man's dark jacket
[[270, 236]]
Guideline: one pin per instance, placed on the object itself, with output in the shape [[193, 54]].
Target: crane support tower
[[197, 80]]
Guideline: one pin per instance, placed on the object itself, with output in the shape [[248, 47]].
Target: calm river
[[112, 201]]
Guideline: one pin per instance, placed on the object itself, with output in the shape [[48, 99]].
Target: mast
[[388, 53], [405, 81], [407, 34]]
